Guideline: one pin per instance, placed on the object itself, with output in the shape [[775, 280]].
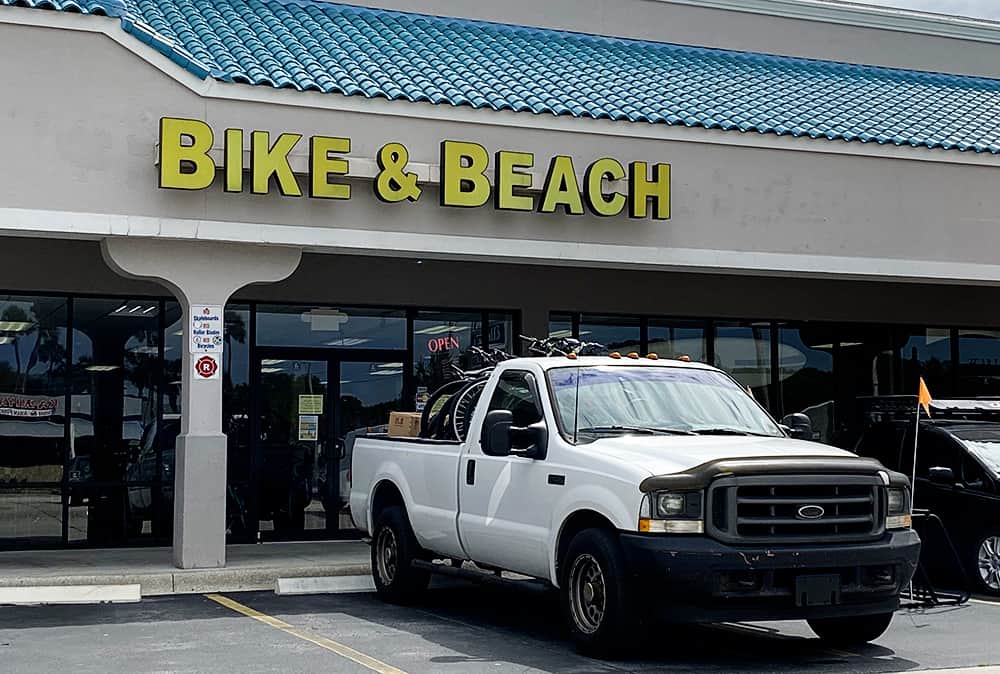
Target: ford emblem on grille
[[811, 512]]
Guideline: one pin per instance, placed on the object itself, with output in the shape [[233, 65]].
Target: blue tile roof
[[333, 48]]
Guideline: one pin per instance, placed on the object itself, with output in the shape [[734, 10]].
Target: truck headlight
[[672, 513], [898, 511]]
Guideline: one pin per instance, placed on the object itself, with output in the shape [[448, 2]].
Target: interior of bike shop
[[357, 246]]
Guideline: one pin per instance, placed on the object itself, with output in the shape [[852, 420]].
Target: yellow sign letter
[[322, 166], [267, 160], [463, 174], [561, 188], [507, 178], [601, 204], [641, 189], [234, 160], [184, 160]]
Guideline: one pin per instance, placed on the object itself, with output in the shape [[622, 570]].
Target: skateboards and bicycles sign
[[206, 340]]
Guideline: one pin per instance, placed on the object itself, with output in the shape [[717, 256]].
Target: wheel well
[[574, 524], [386, 495]]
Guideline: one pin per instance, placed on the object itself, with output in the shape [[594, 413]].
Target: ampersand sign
[[393, 183]]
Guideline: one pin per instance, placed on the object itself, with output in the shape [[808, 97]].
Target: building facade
[[233, 233]]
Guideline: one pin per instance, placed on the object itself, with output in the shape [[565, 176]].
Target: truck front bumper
[[698, 579]]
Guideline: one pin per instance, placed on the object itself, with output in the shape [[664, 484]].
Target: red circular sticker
[[206, 367]]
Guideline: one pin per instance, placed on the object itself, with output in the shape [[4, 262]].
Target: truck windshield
[[600, 400]]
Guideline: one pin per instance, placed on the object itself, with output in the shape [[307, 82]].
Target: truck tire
[[600, 607], [852, 630], [394, 548]]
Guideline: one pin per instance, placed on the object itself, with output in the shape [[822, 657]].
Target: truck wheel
[[394, 547], [853, 630], [600, 609]]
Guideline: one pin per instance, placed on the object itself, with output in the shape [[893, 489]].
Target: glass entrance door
[[293, 431], [311, 407]]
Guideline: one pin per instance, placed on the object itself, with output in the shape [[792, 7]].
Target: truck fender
[[391, 472], [589, 500]]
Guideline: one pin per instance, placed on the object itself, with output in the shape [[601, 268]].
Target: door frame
[[333, 357]]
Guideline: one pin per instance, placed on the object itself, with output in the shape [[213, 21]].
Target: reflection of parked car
[[345, 450], [958, 479]]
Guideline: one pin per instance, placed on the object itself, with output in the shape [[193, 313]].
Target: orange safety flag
[[924, 397]]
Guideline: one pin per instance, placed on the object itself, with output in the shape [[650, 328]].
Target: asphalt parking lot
[[458, 628]]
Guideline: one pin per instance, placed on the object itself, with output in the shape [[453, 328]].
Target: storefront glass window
[[805, 375], [978, 363], [560, 325], [236, 417], [744, 351], [441, 342], [500, 334], [674, 338], [329, 327], [32, 389], [925, 353], [617, 333], [116, 376]]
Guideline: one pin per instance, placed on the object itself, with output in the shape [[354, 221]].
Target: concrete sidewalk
[[249, 567]]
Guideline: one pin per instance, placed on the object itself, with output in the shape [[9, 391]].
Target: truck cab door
[[506, 502]]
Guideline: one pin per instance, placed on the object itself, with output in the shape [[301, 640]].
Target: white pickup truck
[[643, 489]]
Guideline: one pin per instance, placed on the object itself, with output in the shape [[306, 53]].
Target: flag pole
[[913, 474]]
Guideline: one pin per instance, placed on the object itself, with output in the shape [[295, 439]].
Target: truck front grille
[[796, 509]]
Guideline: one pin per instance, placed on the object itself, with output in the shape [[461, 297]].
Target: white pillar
[[199, 274]]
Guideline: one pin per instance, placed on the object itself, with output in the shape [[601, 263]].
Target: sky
[[984, 9]]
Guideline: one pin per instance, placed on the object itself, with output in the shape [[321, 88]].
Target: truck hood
[[662, 455]]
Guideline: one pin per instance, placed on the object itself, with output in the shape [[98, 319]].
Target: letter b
[[463, 174], [185, 166]]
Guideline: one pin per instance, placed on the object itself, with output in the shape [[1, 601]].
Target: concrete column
[[199, 273]]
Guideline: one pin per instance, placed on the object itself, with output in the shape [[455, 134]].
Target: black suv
[[958, 479]]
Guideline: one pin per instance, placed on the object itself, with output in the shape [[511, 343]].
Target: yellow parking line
[[328, 644]]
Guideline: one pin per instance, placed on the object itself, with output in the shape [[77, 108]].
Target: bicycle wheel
[[465, 405], [436, 404]]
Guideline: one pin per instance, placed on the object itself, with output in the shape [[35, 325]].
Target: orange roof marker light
[[652, 356], [571, 355], [633, 355], [684, 359], [614, 354]]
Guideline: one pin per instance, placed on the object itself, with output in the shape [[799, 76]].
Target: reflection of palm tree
[[235, 330], [15, 314]]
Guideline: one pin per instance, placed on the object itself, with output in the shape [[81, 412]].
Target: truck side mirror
[[495, 437], [942, 476], [799, 426]]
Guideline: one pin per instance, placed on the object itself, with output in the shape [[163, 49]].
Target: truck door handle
[[470, 472]]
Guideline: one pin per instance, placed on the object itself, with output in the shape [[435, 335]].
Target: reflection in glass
[[32, 389], [925, 353], [293, 432], [744, 351], [368, 393], [115, 379], [978, 363], [617, 333], [441, 342], [805, 376], [236, 418], [560, 325], [284, 325], [670, 338], [33, 513]]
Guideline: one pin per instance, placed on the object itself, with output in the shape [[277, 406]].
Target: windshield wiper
[[647, 430], [729, 431]]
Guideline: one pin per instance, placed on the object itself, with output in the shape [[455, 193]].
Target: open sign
[[439, 344]]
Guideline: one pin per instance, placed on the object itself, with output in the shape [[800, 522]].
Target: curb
[[195, 581]]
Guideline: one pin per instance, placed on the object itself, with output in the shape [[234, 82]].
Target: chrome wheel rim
[[587, 594], [989, 562], [386, 555]]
